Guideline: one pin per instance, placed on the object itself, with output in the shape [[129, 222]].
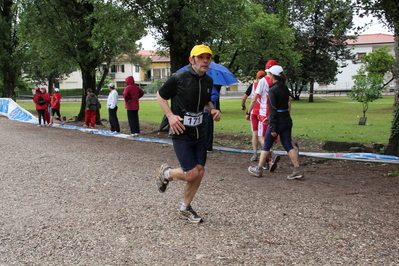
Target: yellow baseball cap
[[200, 49]]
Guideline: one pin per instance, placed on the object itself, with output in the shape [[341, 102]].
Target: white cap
[[276, 70], [56, 90], [111, 85]]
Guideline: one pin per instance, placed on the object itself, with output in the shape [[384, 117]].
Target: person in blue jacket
[[208, 119]]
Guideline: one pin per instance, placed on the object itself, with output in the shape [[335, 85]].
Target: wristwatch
[[247, 113]]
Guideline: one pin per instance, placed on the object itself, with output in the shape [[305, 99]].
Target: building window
[[113, 68], [137, 69], [157, 73], [123, 68], [359, 57]]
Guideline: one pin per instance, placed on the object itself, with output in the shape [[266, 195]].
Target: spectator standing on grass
[[92, 105], [56, 106], [257, 137], [46, 97], [280, 123], [41, 105], [190, 94], [132, 93], [112, 105]]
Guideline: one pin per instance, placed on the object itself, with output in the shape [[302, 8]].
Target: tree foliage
[[388, 11], [241, 35], [11, 52], [366, 88], [84, 33], [45, 68], [182, 24], [320, 29], [255, 41], [379, 62], [321, 35]]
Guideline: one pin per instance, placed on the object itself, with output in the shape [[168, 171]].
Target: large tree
[[248, 44], [11, 52], [320, 28], [241, 35], [180, 25], [321, 31], [45, 68], [388, 10], [86, 33]]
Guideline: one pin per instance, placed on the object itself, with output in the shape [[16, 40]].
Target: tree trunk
[[178, 58], [50, 84], [8, 64], [89, 81], [393, 144], [311, 90], [103, 77], [8, 86]]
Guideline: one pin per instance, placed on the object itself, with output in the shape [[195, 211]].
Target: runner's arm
[[213, 111], [174, 120]]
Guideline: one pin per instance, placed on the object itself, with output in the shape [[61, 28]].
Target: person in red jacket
[[47, 98], [55, 106], [41, 105], [132, 93]]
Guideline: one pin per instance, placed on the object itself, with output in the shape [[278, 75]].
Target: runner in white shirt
[[253, 116], [262, 92]]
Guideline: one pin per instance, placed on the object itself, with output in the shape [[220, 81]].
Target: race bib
[[192, 119]]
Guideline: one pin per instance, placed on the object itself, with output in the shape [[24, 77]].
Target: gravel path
[[73, 198]]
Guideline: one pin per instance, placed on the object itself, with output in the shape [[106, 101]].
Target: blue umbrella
[[220, 74]]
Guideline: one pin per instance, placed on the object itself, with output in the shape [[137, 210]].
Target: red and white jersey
[[263, 91], [255, 110]]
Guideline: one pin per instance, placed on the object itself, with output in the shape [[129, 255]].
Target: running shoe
[[273, 162], [162, 182], [190, 215], [296, 175], [255, 171], [254, 157]]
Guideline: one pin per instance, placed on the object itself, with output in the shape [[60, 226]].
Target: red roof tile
[[373, 39], [154, 56]]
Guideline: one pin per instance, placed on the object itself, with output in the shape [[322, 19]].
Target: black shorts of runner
[[55, 111], [190, 153]]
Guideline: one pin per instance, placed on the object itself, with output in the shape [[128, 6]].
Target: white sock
[[167, 173], [183, 206]]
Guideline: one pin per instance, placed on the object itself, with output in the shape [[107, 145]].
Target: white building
[[120, 70], [160, 67], [364, 44]]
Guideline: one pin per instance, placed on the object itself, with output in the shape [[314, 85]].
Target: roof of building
[[154, 56], [379, 38]]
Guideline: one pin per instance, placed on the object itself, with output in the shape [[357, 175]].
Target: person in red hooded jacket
[[46, 97], [41, 105], [132, 93], [55, 106]]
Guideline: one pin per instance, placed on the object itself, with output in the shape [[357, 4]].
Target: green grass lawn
[[332, 118]]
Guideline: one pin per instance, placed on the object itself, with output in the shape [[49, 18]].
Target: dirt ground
[[74, 198]]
